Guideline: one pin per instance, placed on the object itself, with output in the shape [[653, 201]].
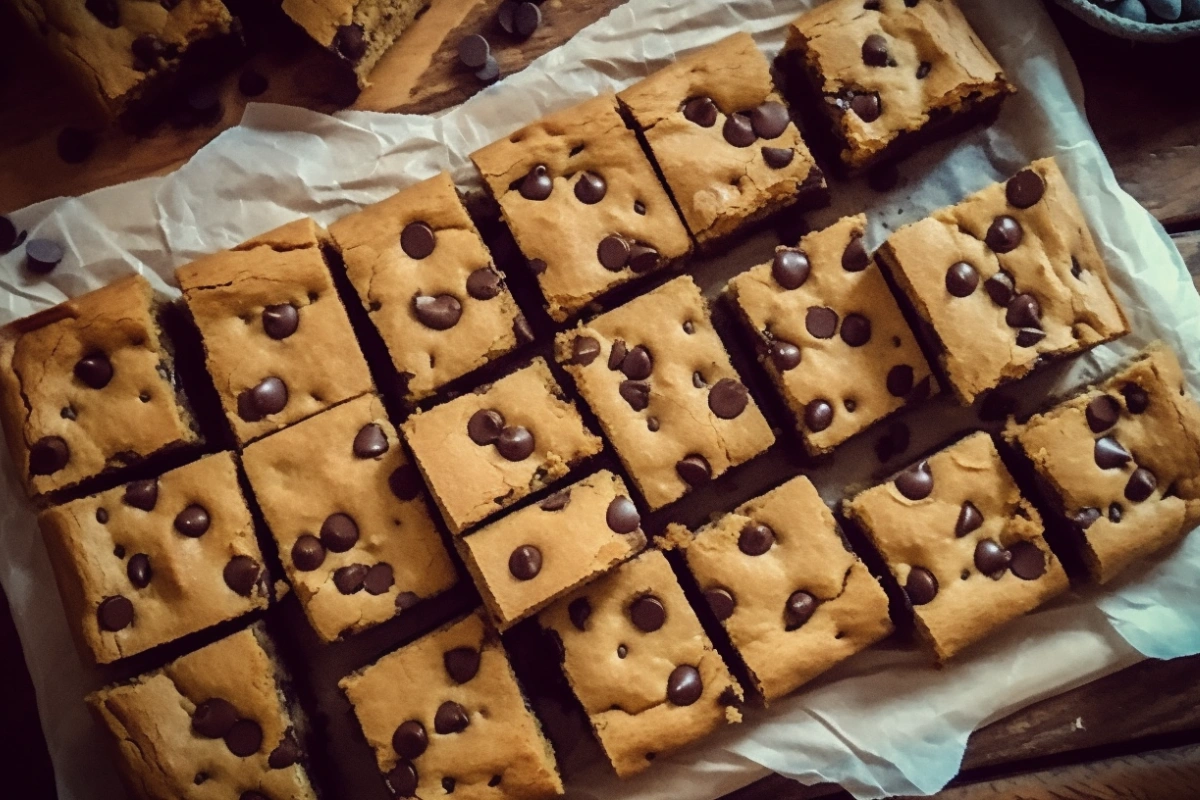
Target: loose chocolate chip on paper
[[1004, 234], [241, 574], [115, 613], [818, 415], [537, 185], [439, 313], [1102, 413], [1024, 189], [778, 157], [961, 279], [515, 443], [622, 515], [450, 718], [738, 130], [769, 120], [193, 521], [462, 664], [756, 538], [1109, 453], [694, 470], [473, 51], [821, 322], [417, 240], [875, 51], [785, 355], [969, 519], [856, 330], [42, 255], [380, 578], [578, 610], [916, 482], [921, 586], [798, 610], [349, 579], [584, 350], [245, 738], [280, 321], [370, 441], [728, 398], [1141, 485], [410, 739], [990, 557], [214, 718], [339, 532], [590, 188], [483, 284], [684, 685], [1028, 561], [721, 602], [308, 553]]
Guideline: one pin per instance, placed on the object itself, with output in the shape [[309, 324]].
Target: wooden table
[[1132, 734]]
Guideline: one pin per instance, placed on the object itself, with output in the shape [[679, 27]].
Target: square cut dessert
[[640, 664], [723, 139], [655, 373], [831, 335], [536, 554], [1006, 280], [345, 507], [427, 282], [883, 77], [156, 559], [445, 715], [1120, 463], [583, 203], [218, 722], [486, 450], [778, 575], [277, 340], [88, 387], [964, 543], [357, 32]]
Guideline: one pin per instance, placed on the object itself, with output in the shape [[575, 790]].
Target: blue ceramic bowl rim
[[1099, 17]]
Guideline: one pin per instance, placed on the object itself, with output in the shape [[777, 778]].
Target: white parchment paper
[[884, 722]]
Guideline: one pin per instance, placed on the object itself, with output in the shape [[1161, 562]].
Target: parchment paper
[[884, 722]]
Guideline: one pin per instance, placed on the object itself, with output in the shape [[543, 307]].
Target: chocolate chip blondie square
[[524, 561], [277, 340], [1120, 463], [357, 32], [218, 722], [427, 281], [1006, 280], [88, 387], [640, 664], [723, 139], [657, 376], [346, 508], [778, 575], [486, 450], [831, 335], [964, 543], [445, 715], [583, 203], [156, 559], [886, 76]]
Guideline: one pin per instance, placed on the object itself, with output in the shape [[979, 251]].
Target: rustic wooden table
[[1134, 734]]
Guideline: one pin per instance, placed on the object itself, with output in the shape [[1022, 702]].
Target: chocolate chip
[[450, 718], [648, 613], [821, 322], [380, 578], [401, 780], [769, 120], [8, 235], [214, 718], [856, 330], [1085, 517], [473, 51], [639, 208], [798, 609], [339, 532], [115, 613], [684, 685], [404, 482], [636, 393], [142, 494], [557, 501], [1102, 413], [784, 355], [969, 518], [855, 257], [1109, 453], [94, 371], [590, 188], [410, 739], [990, 557], [505, 14], [286, 753], [193, 521], [701, 110], [818, 415], [349, 579], [961, 279], [642, 258], [923, 70], [584, 350], [75, 145], [900, 380], [102, 518], [417, 240], [526, 19], [270, 396], [350, 43], [515, 443], [578, 611], [727, 398], [616, 356], [777, 157], [484, 426], [280, 321], [439, 313], [483, 284], [1028, 561], [637, 364], [738, 130], [1024, 312], [921, 587], [535, 266], [694, 470], [652, 424], [755, 538], [622, 515], [1136, 399], [613, 253], [370, 441], [42, 255], [867, 106], [1000, 288], [308, 553], [1141, 485], [916, 482], [525, 562], [1028, 337], [252, 83], [875, 51], [1004, 234], [241, 573], [537, 185], [462, 664], [698, 380], [1024, 189], [105, 11], [406, 600], [245, 738], [790, 269], [721, 602]]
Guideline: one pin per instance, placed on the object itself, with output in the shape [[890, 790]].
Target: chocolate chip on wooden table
[[515, 443], [241, 574], [94, 371], [916, 482], [439, 313], [769, 120], [490, 71], [590, 188], [961, 279], [990, 558], [537, 185], [462, 663], [483, 284], [450, 718], [1024, 189], [417, 240], [578, 611], [684, 685], [778, 157], [855, 257], [280, 321], [875, 51], [1102, 413], [401, 780], [584, 350], [213, 718], [821, 322], [1028, 561], [622, 515], [969, 519], [370, 441], [349, 579], [1109, 454], [756, 538], [728, 398], [701, 110], [473, 51], [1004, 234], [738, 130], [798, 609], [350, 43], [526, 19], [525, 562], [379, 579], [339, 532], [410, 739], [141, 494], [694, 470], [308, 553], [818, 415], [1001, 288], [648, 613], [42, 255], [193, 521], [784, 355], [721, 602], [867, 106], [921, 586], [244, 739], [115, 613]]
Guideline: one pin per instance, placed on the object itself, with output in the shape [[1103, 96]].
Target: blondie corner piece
[[640, 664], [1120, 463], [778, 575], [831, 335], [583, 203], [656, 374], [887, 76], [88, 387], [345, 507], [428, 284], [723, 139], [445, 715], [277, 340], [357, 32], [215, 723], [964, 543], [1006, 280]]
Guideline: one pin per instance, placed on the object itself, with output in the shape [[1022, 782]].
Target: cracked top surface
[[102, 58], [806, 554], [104, 546], [840, 62], [1157, 423], [162, 755], [499, 752], [575, 542], [684, 401], [563, 231], [719, 185], [541, 432], [133, 414], [855, 370], [309, 347], [1055, 261], [970, 516], [379, 22], [389, 280], [622, 668], [326, 466]]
